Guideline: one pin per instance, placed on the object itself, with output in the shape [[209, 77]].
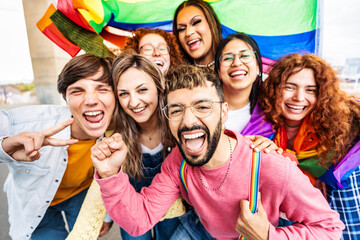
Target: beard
[[193, 160]]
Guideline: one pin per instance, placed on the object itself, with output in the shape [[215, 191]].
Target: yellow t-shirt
[[79, 171]]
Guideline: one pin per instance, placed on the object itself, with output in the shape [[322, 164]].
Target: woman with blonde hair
[[321, 124], [138, 84], [151, 44]]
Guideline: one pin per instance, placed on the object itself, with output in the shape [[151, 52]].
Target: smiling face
[[138, 95], [197, 138], [194, 34], [298, 97], [92, 104], [238, 77], [156, 41]]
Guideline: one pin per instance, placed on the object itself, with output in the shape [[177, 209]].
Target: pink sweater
[[284, 188]]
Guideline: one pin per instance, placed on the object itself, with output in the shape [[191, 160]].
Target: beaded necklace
[[254, 180], [226, 175], [205, 65]]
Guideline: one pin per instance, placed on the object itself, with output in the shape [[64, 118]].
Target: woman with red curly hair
[[320, 123], [157, 45]]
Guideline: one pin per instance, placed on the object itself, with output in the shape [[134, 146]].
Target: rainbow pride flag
[[280, 27]]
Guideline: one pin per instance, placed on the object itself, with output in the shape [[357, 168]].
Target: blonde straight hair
[[125, 124]]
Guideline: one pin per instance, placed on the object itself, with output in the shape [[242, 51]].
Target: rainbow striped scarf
[[304, 148]]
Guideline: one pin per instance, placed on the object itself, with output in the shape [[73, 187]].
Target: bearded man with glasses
[[211, 168]]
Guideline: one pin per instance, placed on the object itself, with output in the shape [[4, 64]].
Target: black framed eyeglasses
[[149, 49], [202, 108], [245, 56]]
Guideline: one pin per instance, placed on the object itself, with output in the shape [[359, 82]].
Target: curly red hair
[[335, 117], [176, 56]]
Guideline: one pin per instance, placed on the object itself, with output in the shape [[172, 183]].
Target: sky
[[340, 37], [341, 30], [15, 61]]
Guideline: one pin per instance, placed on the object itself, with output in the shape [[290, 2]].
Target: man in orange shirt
[[47, 149]]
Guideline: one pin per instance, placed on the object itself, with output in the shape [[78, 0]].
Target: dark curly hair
[[189, 76], [176, 55], [335, 117]]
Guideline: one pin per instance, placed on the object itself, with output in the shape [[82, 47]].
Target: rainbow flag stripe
[[254, 182], [182, 174], [280, 27]]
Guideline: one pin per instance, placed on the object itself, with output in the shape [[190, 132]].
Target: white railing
[[351, 88]]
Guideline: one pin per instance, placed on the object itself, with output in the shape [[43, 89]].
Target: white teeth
[[192, 41], [193, 136], [295, 107], [159, 63], [138, 110], [92, 113], [240, 72]]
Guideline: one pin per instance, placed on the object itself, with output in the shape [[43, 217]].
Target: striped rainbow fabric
[[182, 174], [280, 27], [254, 182]]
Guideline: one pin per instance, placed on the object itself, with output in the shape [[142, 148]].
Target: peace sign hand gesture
[[25, 146]]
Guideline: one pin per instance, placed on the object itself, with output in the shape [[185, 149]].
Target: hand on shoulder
[[262, 143]]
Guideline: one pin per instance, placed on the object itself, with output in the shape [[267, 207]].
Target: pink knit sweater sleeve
[[136, 212], [306, 207]]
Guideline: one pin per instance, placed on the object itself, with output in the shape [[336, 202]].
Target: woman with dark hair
[[321, 124], [157, 45], [198, 32], [239, 66], [138, 84], [241, 76]]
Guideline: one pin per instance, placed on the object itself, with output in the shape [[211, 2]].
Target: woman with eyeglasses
[[321, 124], [138, 85], [157, 45], [198, 32], [239, 66]]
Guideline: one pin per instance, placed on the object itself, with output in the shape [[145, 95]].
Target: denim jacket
[[31, 186]]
